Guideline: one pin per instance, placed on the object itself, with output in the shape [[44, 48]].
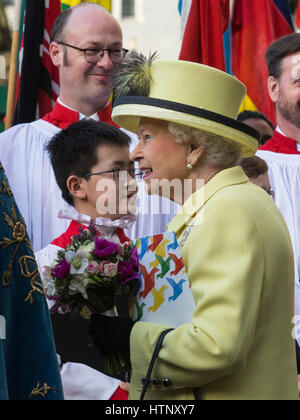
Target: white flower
[[114, 239], [78, 261], [48, 281], [62, 310], [78, 285], [88, 249], [69, 256], [50, 288], [46, 274]]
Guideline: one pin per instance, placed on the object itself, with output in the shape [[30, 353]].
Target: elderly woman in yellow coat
[[234, 242]]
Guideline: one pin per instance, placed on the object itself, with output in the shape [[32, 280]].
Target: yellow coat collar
[[191, 207]]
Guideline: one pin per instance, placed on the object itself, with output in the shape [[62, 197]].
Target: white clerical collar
[[282, 133], [81, 116]]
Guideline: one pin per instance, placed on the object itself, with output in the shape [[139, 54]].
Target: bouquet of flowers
[[88, 276]]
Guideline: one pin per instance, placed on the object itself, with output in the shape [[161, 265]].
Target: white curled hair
[[219, 152]]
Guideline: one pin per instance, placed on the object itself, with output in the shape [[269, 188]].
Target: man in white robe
[[85, 90], [282, 151]]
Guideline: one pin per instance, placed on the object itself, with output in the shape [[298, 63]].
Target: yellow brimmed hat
[[186, 93]]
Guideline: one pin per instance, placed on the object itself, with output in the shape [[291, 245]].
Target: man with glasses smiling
[[94, 55], [87, 47]]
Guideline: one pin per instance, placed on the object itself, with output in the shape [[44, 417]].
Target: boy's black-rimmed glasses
[[134, 173]]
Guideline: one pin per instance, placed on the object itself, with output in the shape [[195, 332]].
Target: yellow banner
[[71, 3], [247, 105]]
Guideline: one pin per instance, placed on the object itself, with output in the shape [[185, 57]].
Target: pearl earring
[[189, 165]]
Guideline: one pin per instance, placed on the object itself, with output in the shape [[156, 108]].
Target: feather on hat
[[134, 75]]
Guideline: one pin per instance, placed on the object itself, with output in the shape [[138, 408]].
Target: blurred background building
[[150, 25]]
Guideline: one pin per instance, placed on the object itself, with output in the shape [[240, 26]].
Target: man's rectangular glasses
[[94, 55]]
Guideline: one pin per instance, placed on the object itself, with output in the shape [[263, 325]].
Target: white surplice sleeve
[[80, 382], [284, 173]]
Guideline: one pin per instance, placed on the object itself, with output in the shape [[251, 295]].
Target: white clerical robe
[[284, 173]]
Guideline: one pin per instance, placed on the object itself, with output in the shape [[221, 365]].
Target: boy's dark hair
[[254, 166], [245, 115], [278, 50], [72, 151]]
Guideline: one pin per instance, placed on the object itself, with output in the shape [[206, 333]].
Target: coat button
[[166, 382], [155, 381], [143, 380]]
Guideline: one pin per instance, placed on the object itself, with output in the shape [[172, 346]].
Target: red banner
[[203, 36], [254, 28]]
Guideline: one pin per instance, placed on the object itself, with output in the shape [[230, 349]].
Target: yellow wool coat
[[239, 261]]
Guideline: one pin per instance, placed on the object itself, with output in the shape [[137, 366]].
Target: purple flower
[[92, 228], [134, 259], [126, 272], [104, 248], [80, 232], [61, 270]]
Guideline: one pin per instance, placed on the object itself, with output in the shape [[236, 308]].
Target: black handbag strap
[[196, 391], [154, 357]]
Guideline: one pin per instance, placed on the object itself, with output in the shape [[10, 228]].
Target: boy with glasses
[[97, 180]]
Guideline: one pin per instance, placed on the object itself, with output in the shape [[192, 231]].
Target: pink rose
[[109, 269], [93, 268], [102, 265]]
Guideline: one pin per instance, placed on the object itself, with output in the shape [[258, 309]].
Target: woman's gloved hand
[[111, 333]]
